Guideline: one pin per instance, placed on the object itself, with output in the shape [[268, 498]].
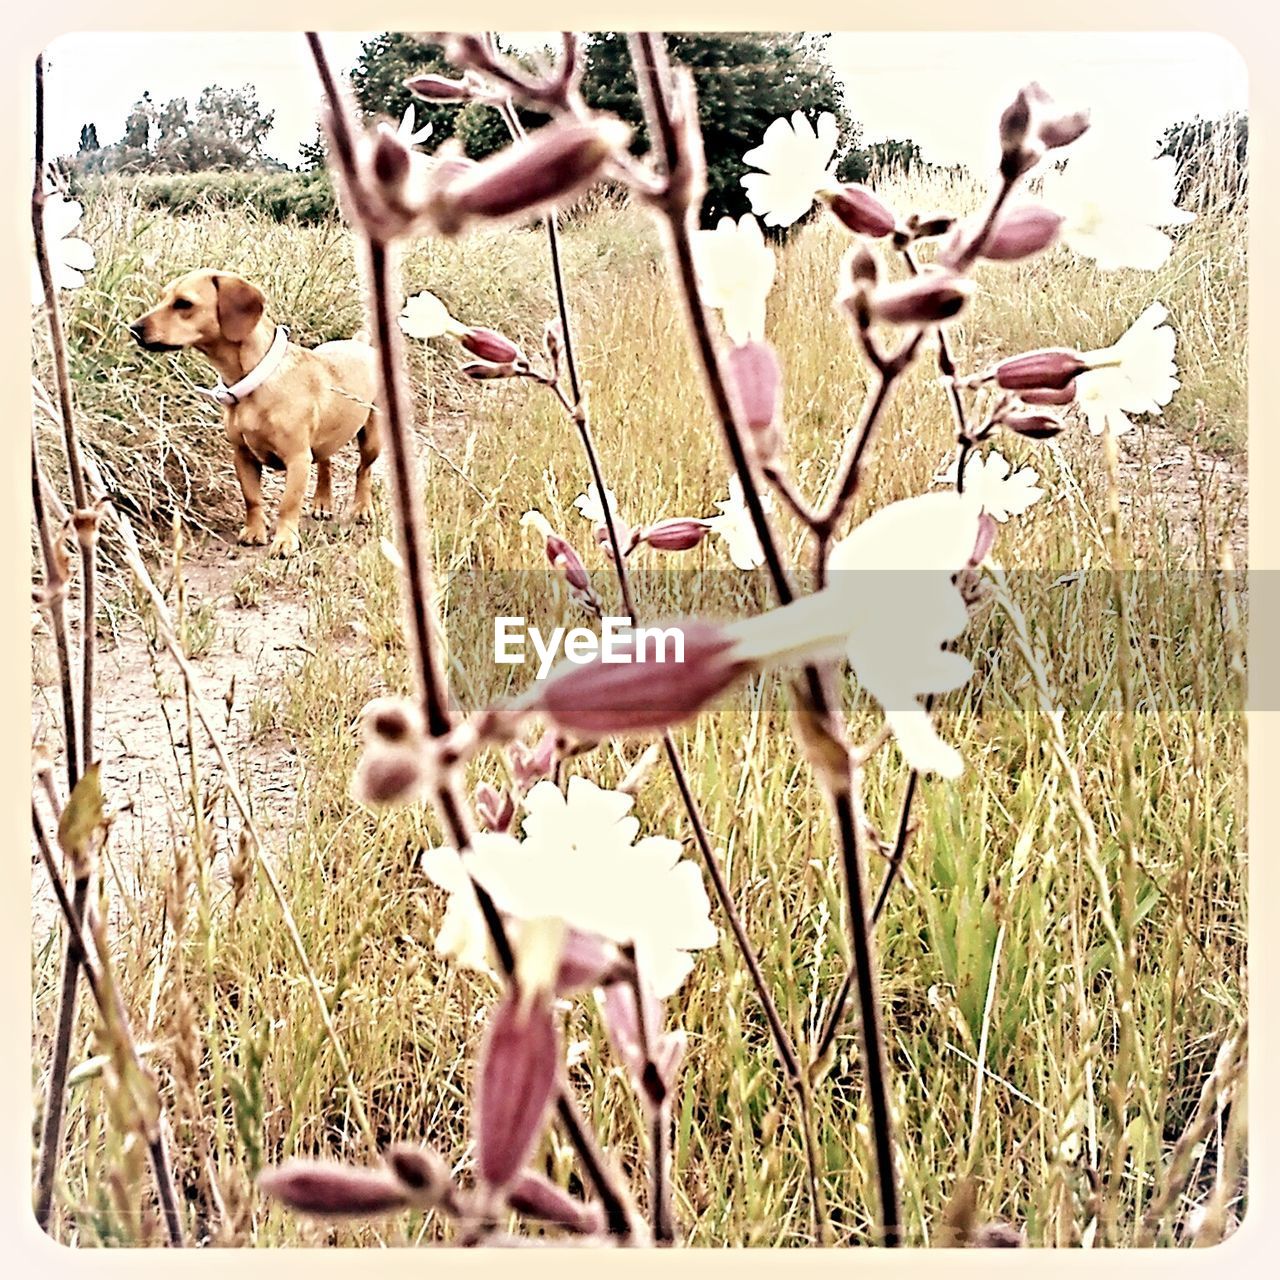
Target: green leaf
[[81, 819]]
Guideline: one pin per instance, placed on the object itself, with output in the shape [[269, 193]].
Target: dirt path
[[143, 737]]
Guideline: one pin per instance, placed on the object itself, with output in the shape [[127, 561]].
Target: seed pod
[[389, 775], [491, 346], [391, 720], [1021, 233], [333, 1190], [928, 298], [439, 89], [515, 1083], [1032, 426], [539, 1197], [1048, 395], [1051, 369], [551, 166], [756, 379], [645, 694], [861, 210], [680, 534]]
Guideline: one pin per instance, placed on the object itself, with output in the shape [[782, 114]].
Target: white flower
[[797, 165], [1113, 196], [579, 862], [590, 506], [890, 605], [1137, 374], [734, 526], [735, 273], [68, 257], [425, 316], [535, 520], [987, 480], [407, 130]]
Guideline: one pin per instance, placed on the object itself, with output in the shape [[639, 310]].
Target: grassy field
[[997, 969]]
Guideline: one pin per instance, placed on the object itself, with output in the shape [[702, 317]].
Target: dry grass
[[994, 949]]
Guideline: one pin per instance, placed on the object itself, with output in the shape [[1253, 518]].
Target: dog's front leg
[[297, 472], [249, 473]]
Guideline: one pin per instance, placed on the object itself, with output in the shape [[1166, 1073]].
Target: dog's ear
[[240, 306]]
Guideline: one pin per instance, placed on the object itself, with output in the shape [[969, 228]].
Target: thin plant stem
[[648, 57], [575, 407], [156, 1147], [411, 528]]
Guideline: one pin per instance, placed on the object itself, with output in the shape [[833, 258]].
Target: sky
[[942, 90]]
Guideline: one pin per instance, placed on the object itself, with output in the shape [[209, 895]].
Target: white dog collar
[[232, 395]]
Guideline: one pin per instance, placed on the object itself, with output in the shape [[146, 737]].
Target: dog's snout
[[137, 330]]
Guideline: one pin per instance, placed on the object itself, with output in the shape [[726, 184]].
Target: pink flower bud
[[1017, 152], [756, 380], [392, 157], [330, 1190], [1032, 426], [439, 89], [1053, 126], [1022, 232], [539, 1197], [680, 534], [629, 696], [586, 961], [652, 1080], [530, 764], [1049, 395], [986, 539], [516, 1081], [485, 372], [494, 808], [423, 1174], [861, 210], [491, 346], [927, 298], [388, 775], [563, 557], [551, 166], [1051, 370]]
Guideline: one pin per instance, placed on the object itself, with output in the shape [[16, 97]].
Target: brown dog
[[284, 405]]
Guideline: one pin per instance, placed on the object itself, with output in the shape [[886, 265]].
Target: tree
[[745, 81], [377, 79], [1212, 158], [89, 138], [227, 130]]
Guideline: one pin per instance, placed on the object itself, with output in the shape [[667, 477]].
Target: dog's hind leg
[[322, 503], [369, 439]]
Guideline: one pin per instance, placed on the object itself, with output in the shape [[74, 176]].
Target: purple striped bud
[[539, 1197], [586, 961], [439, 89], [423, 1174], [986, 539], [1053, 126], [1051, 369], [494, 808], [491, 346], [328, 1190], [389, 775], [861, 210], [1032, 426], [680, 534], [927, 298], [1049, 395], [516, 1079], [756, 379], [1022, 232], [551, 166], [483, 371], [529, 764], [563, 557], [644, 690]]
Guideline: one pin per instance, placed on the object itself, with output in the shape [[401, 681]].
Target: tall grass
[[998, 974]]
